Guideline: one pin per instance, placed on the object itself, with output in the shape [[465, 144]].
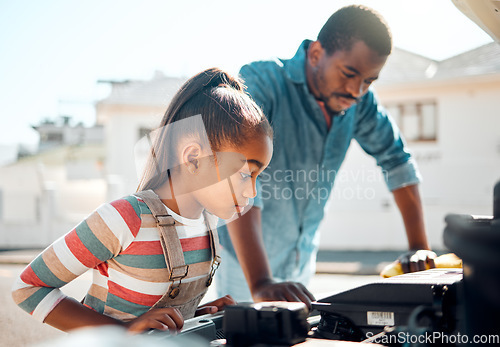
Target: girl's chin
[[231, 213], [228, 215]]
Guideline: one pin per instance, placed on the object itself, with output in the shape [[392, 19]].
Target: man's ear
[[191, 156], [314, 53]]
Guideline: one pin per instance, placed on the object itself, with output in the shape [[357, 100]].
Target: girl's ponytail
[[204, 81], [220, 78]]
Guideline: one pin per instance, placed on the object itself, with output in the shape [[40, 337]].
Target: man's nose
[[355, 87]]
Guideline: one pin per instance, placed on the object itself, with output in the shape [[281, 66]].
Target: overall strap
[[214, 248], [170, 243]]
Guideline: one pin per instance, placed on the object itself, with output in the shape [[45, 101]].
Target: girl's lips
[[240, 208]]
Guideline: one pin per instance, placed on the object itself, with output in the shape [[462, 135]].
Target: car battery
[[356, 314]]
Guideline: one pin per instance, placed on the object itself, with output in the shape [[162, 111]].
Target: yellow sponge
[[449, 260]]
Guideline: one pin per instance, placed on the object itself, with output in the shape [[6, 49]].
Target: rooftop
[[155, 92], [403, 66]]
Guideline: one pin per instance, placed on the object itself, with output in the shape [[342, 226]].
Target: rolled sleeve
[[406, 174], [48, 304]]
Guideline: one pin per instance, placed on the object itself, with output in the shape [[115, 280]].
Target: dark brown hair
[[353, 23], [230, 118]]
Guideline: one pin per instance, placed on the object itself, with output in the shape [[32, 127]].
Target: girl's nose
[[250, 191]]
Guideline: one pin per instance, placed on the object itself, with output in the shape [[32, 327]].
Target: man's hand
[[420, 257], [215, 306], [283, 291], [417, 260]]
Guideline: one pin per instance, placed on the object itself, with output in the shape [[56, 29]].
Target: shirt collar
[[296, 67]]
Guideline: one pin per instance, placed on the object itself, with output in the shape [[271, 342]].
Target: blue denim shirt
[[294, 189]]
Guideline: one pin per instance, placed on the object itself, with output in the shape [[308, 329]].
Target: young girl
[[153, 253]]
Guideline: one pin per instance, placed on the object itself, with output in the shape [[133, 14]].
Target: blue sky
[[54, 51]]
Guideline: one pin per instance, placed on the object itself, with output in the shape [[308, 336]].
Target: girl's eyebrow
[[253, 161]]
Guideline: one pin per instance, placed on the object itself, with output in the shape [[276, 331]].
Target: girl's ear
[[191, 155]]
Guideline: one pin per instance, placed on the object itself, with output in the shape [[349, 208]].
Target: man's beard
[[330, 111], [324, 99]]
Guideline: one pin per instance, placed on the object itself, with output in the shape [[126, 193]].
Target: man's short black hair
[[353, 23]]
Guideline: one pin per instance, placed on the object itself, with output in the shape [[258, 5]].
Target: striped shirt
[[120, 242]]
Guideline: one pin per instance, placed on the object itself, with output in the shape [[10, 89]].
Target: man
[[317, 102]]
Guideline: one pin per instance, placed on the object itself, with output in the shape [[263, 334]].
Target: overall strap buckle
[[177, 273], [164, 220], [215, 265]]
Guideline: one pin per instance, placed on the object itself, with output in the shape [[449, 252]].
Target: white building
[[43, 196], [448, 111], [132, 110], [56, 133]]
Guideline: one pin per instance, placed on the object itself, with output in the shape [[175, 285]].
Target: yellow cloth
[[449, 260]]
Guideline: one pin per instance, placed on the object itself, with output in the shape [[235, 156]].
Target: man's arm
[[246, 236], [380, 137], [410, 206]]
